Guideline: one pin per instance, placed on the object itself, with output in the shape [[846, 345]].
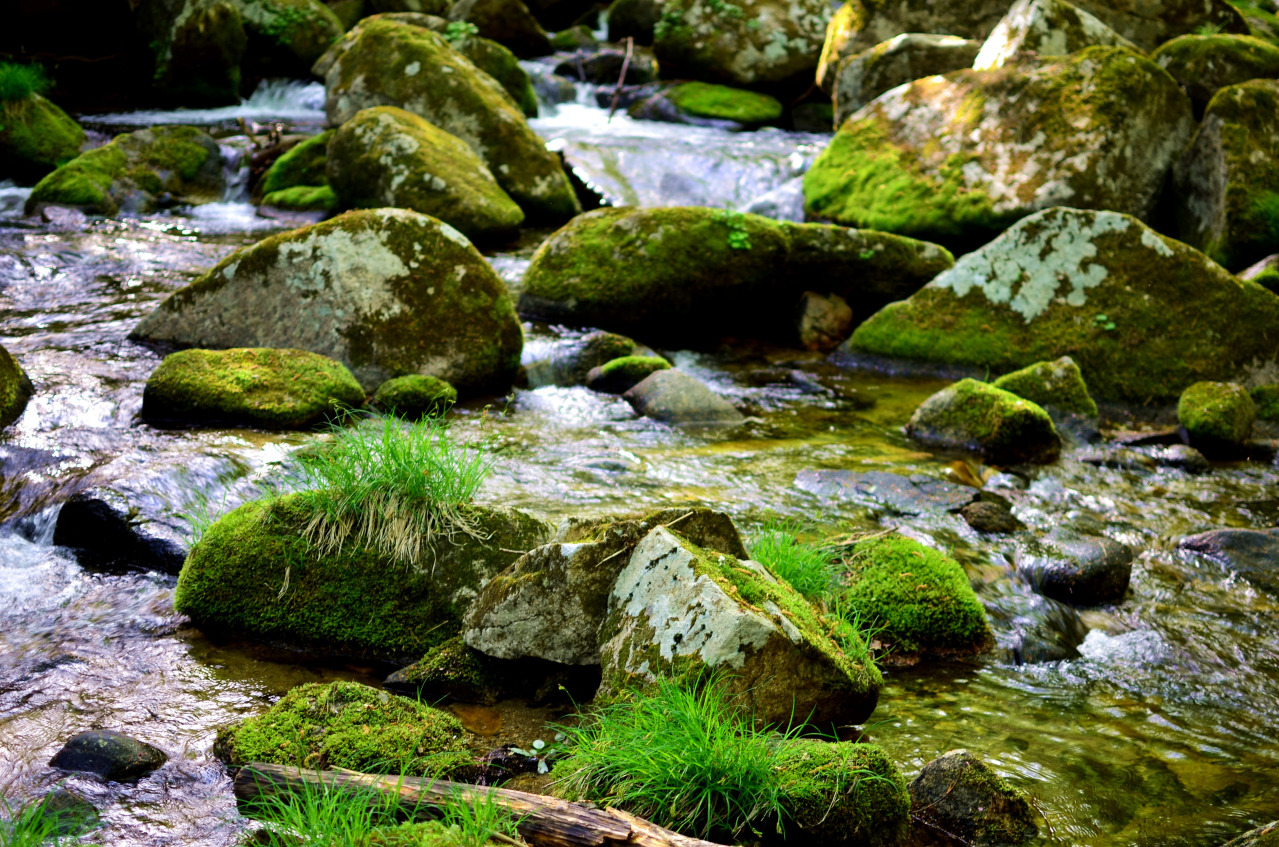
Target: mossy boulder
[[1217, 414], [959, 793], [386, 156], [1143, 315], [198, 46], [1266, 398], [862, 77], [15, 389], [508, 22], [1205, 64], [621, 375], [109, 754], [1262, 20], [387, 292], [349, 725], [579, 37], [36, 137], [705, 100], [274, 389], [1046, 27], [1227, 182], [303, 198], [254, 574], [841, 793], [917, 598], [499, 62], [386, 63], [303, 164], [678, 609], [1149, 24], [1265, 273], [959, 158], [452, 670], [285, 37], [426, 834], [1000, 426], [1058, 386], [415, 396], [137, 172]]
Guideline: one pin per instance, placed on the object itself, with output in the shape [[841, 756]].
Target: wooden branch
[[542, 821]]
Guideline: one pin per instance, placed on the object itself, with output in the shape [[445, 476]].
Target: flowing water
[[1162, 732]]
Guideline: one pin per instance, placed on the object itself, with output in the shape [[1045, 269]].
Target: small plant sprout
[[1103, 322], [738, 237], [459, 31], [543, 752]]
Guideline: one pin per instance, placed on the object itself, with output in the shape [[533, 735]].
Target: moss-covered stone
[[508, 22], [1266, 398], [134, 171], [578, 37], [720, 101], [415, 396], [1205, 64], [1056, 386], [427, 834], [621, 375], [386, 156], [917, 599], [253, 574], [285, 37], [349, 725], [36, 137], [959, 793], [303, 164], [1141, 314], [452, 670], [274, 389], [303, 198], [1002, 427], [958, 158], [1262, 21], [842, 794], [903, 58], [1227, 183], [386, 63], [348, 12], [1219, 414], [1045, 27], [198, 46], [15, 389], [387, 292], [504, 66]]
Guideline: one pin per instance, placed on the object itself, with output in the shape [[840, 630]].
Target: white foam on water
[[286, 100]]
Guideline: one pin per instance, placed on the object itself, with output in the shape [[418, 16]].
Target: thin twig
[[626, 64]]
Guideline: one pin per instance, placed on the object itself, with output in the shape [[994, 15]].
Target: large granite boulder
[[960, 157], [285, 37], [1142, 315], [36, 137], [387, 292], [1205, 64], [15, 389], [197, 46], [1046, 27], [904, 58]]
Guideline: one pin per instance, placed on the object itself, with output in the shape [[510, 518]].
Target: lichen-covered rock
[[386, 63], [904, 58], [672, 396], [918, 599], [500, 63], [508, 22], [1227, 182], [1046, 27], [302, 164], [1077, 569], [303, 198], [1217, 414], [275, 389], [1262, 836], [676, 608], [198, 46], [960, 157], [1205, 64], [15, 389], [349, 725], [387, 157], [960, 794], [111, 755], [1266, 398], [414, 396], [137, 172], [750, 43], [387, 292], [622, 374], [1142, 315], [285, 37], [840, 793], [1057, 386], [970, 415], [254, 575], [36, 137]]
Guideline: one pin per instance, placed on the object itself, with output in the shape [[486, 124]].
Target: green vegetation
[[454, 670], [1058, 385], [811, 568], [706, 100], [415, 396], [301, 165], [460, 31], [38, 825], [1265, 211], [15, 389], [19, 82], [1266, 397], [303, 198], [739, 237], [1216, 414]]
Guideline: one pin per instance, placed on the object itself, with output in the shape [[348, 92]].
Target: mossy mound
[[1057, 386], [428, 834], [302, 164], [253, 574], [970, 415], [1217, 414], [843, 794], [303, 198], [386, 156], [35, 138], [504, 66], [452, 670], [621, 375], [137, 172], [705, 100], [918, 598], [1262, 21], [1205, 64], [15, 389], [959, 158], [353, 726], [274, 389], [414, 396], [1143, 315], [285, 37], [1266, 398]]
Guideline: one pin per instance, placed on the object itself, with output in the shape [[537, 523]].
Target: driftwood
[[542, 821]]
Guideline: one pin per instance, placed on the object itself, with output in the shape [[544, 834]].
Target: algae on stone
[[1217, 413], [842, 793], [1056, 386], [1002, 427], [414, 396], [15, 389], [35, 138], [302, 164]]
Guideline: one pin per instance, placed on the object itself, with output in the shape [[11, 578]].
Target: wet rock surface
[[109, 754], [962, 795], [1077, 569], [912, 494]]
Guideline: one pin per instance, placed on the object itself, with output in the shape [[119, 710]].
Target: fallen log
[[542, 821]]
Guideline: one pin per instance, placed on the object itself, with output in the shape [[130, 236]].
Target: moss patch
[[428, 834], [1205, 64], [35, 138], [843, 793], [1220, 413], [719, 101], [1057, 385], [620, 375], [453, 670], [15, 389], [1002, 427], [1266, 397], [415, 396], [303, 164], [303, 198]]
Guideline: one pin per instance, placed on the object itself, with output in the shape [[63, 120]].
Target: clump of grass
[[476, 821], [810, 567], [31, 825], [18, 82]]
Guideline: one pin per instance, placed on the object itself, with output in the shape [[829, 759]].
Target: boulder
[[504, 66], [676, 608], [383, 62], [1266, 399], [1000, 426], [285, 37], [111, 755], [508, 22], [15, 389], [1143, 315], [35, 138], [989, 516], [386, 157], [387, 292], [709, 104], [1262, 836], [254, 575], [750, 43], [960, 157], [916, 494], [137, 172], [918, 599], [1227, 182], [841, 793], [569, 361], [1057, 386], [414, 396], [198, 46], [454, 671], [622, 374], [105, 531], [1205, 64], [1045, 27], [1149, 24], [960, 794], [822, 321], [633, 19], [1251, 553], [862, 77], [301, 164], [1034, 629], [672, 396], [1077, 569], [1217, 415]]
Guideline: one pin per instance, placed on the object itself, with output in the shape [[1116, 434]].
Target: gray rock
[[988, 516], [916, 494], [672, 396], [1077, 569], [111, 755], [1046, 27], [621, 375], [960, 794], [901, 59], [1251, 553], [822, 320]]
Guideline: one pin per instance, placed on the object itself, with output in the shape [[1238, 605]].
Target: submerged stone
[[109, 754], [1251, 553], [35, 138], [15, 389], [970, 415], [988, 516], [913, 494], [1077, 569], [672, 396], [959, 793]]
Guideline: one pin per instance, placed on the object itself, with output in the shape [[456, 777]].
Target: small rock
[[414, 396], [1118, 458], [15, 389], [621, 375], [823, 320], [1057, 386], [1252, 553], [106, 531], [1218, 416], [672, 396], [987, 516], [111, 755], [1078, 569], [1034, 629], [705, 104], [450, 671], [917, 494], [961, 795], [999, 425]]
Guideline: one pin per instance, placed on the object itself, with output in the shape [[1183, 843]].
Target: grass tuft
[[811, 568], [31, 825], [18, 82]]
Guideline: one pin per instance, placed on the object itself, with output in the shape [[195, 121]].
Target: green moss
[[632, 369], [84, 181], [428, 834], [842, 793], [303, 198], [1058, 384], [1266, 398], [1268, 279], [1217, 413], [920, 597], [454, 670], [301, 165], [36, 137], [719, 101], [15, 389], [1262, 23], [1205, 64], [179, 149], [503, 65], [415, 396], [573, 38], [21, 82], [972, 415], [348, 725]]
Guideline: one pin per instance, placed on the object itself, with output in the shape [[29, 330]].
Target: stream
[[1161, 732]]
